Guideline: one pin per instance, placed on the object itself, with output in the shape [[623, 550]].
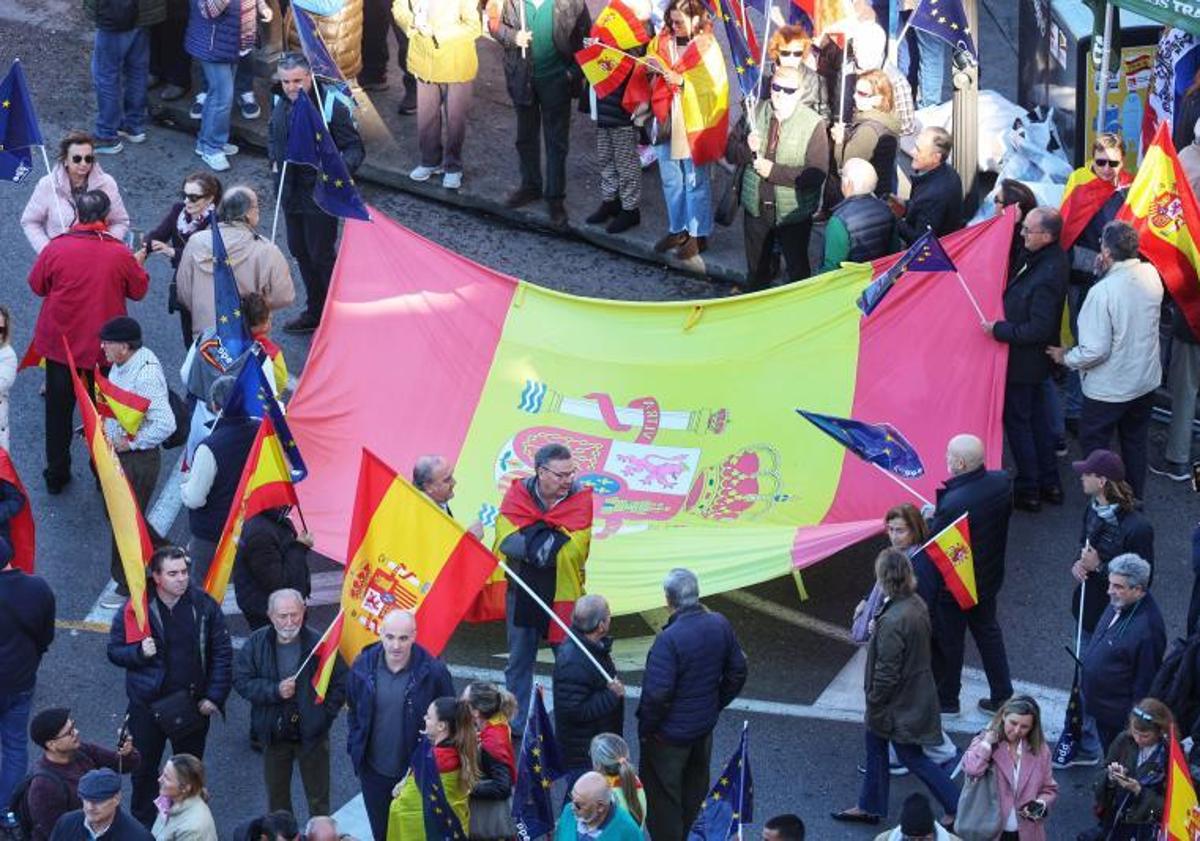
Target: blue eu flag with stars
[[538, 766], [321, 62], [730, 802], [440, 819], [879, 443], [945, 19], [252, 397], [19, 130], [925, 255], [232, 336], [309, 144]]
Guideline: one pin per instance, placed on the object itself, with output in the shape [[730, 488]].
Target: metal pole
[[1105, 56], [965, 115], [278, 201]]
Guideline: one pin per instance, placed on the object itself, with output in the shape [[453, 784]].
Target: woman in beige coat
[[183, 813]]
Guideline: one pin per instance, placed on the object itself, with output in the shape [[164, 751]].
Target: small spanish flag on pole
[[326, 652], [31, 359], [950, 551], [125, 407], [1181, 812]]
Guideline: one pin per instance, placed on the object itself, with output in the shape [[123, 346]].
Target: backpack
[[18, 804], [116, 15]]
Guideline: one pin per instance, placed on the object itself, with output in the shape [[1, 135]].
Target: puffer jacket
[[215, 39], [341, 32], [447, 54], [40, 219], [150, 12], [694, 669]]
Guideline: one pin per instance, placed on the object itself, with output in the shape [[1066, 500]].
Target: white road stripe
[[789, 615], [165, 509]]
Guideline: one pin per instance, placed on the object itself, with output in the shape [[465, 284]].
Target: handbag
[[177, 714], [491, 818], [978, 817], [731, 198]]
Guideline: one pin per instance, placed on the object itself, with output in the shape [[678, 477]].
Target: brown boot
[[689, 249], [671, 241]]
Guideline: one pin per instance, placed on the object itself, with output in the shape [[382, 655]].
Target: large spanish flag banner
[[681, 414], [1160, 204], [1181, 813], [129, 528], [405, 553]]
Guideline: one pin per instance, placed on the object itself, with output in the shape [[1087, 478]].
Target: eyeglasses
[[1105, 162], [564, 475], [83, 159], [792, 53], [192, 196], [784, 90]]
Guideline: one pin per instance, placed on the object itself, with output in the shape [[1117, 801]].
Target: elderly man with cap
[[135, 369], [101, 818], [64, 761]]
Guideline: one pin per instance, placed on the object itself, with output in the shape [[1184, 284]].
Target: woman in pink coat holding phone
[[1014, 747]]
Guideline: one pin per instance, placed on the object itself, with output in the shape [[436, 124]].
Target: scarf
[[185, 225], [1108, 512]]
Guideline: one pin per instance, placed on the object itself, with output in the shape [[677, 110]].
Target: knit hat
[[99, 785], [1103, 463], [121, 329], [46, 724], [916, 817]]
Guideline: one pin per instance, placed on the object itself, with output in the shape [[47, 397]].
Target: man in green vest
[[787, 151]]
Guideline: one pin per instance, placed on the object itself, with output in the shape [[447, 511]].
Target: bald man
[[390, 687], [985, 496], [592, 812]]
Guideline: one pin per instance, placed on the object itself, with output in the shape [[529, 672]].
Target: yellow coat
[[446, 53]]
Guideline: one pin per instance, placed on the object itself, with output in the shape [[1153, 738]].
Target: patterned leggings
[[620, 168]]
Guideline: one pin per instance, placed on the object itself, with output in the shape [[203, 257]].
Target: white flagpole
[[970, 296], [742, 778], [296, 676], [278, 201], [900, 482], [54, 190]]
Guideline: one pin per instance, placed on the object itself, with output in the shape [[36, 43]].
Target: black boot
[[606, 211], [624, 220]]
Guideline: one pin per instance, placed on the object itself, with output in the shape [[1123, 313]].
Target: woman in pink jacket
[[76, 172], [1015, 749]]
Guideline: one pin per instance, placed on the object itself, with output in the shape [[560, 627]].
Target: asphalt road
[[805, 740]]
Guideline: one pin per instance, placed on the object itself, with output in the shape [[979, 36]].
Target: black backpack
[[116, 15], [18, 804]]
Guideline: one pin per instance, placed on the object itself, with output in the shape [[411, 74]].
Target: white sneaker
[[452, 180], [229, 149], [422, 173], [139, 137], [197, 109], [215, 161], [112, 601], [248, 105]]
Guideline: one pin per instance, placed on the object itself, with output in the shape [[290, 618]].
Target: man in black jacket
[[936, 200], [187, 660], [585, 704], [985, 496], [285, 715], [311, 232], [270, 556], [1033, 304], [101, 818]]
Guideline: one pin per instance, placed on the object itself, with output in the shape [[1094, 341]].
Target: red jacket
[[85, 275]]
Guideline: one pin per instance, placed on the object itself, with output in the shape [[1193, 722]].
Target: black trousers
[[60, 420], [141, 469], [762, 235], [169, 61], [1131, 421], [377, 21], [675, 779], [1030, 437], [312, 239], [952, 624], [377, 798], [547, 120], [151, 741]]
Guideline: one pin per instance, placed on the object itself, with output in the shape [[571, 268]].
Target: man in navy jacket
[[694, 669]]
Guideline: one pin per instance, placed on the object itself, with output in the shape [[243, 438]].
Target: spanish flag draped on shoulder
[[266, 483], [950, 551], [1084, 195], [125, 407], [406, 553], [129, 529], [1181, 812], [21, 531], [1161, 206], [572, 518]]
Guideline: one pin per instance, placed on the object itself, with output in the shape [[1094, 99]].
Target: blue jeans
[[243, 79], [873, 797], [14, 741], [687, 193], [214, 122], [522, 653], [931, 68], [120, 67]]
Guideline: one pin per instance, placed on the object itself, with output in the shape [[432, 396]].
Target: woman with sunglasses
[[8, 371], [1014, 747], [790, 46], [1132, 786], [874, 131], [50, 211], [201, 193]]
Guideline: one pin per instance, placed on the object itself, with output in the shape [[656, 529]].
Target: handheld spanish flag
[[31, 359], [405, 553], [1161, 206], [266, 483], [1181, 812], [950, 551], [604, 66], [621, 25], [125, 407], [129, 528], [326, 653]]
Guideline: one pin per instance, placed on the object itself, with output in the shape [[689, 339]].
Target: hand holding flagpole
[[332, 624]]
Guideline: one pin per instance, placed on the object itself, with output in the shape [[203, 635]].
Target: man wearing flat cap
[[101, 818], [58, 773], [135, 369]]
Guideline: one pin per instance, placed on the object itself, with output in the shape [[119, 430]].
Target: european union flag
[[309, 144], [440, 820], [743, 46], [1071, 740], [19, 130], [232, 336], [925, 255], [321, 62], [879, 443], [538, 766], [947, 20], [730, 802], [252, 397]]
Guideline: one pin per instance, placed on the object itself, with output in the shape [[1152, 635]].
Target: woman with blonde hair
[[874, 130], [183, 813], [610, 756]]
